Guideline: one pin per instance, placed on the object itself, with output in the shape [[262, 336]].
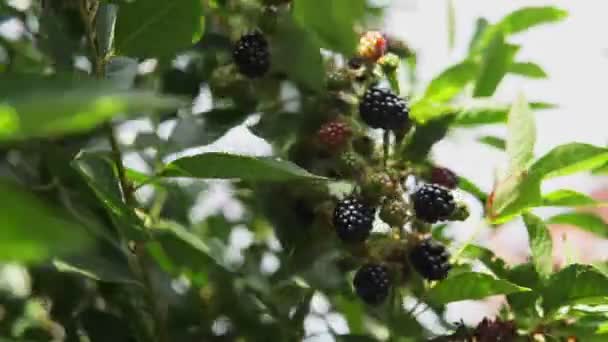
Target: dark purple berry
[[431, 260], [372, 283], [353, 219], [433, 203], [380, 108], [251, 55]]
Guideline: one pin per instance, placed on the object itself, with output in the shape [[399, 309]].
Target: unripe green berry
[[378, 185], [461, 213], [389, 62], [394, 212]]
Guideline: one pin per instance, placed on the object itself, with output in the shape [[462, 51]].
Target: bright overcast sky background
[[573, 52]]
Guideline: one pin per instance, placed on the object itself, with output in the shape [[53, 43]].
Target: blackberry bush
[[241, 216]]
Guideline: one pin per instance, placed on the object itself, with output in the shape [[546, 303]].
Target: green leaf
[[470, 286], [99, 171], [496, 61], [471, 188], [98, 268], [424, 138], [481, 25], [231, 166], [524, 303], [485, 115], [495, 142], [541, 244], [493, 262], [33, 230], [574, 283], [47, 107], [314, 15], [158, 28], [586, 221], [423, 111], [521, 135], [528, 69], [298, 54], [526, 18], [569, 158], [567, 198], [451, 82], [518, 21], [185, 249]]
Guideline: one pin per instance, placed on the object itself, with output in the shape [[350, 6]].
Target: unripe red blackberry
[[251, 55], [372, 283], [353, 219], [444, 176], [433, 203], [334, 134], [381, 108], [430, 259], [372, 46]]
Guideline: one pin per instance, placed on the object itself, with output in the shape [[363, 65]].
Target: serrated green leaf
[[567, 198], [157, 28], [231, 166], [314, 15], [496, 61], [528, 69], [586, 221], [451, 82], [572, 284], [568, 159], [541, 244], [297, 53], [495, 142], [33, 230], [49, 107], [470, 286]]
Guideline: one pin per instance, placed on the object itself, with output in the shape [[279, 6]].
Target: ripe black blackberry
[[353, 219], [380, 108], [251, 55], [372, 283], [433, 203], [431, 260]]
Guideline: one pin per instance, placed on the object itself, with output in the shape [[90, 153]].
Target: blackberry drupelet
[[444, 176], [251, 55], [353, 219], [433, 203], [372, 283], [381, 108], [431, 260]]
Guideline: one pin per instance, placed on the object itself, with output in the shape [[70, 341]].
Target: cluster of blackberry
[[353, 216]]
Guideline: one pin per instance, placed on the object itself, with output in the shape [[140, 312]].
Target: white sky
[[573, 52]]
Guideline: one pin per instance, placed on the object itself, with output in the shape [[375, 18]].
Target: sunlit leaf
[[470, 286]]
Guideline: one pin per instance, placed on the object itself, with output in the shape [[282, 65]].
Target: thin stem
[[478, 228], [386, 143], [138, 262]]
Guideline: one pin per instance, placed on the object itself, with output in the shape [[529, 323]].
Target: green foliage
[[157, 28], [227, 166], [128, 240]]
